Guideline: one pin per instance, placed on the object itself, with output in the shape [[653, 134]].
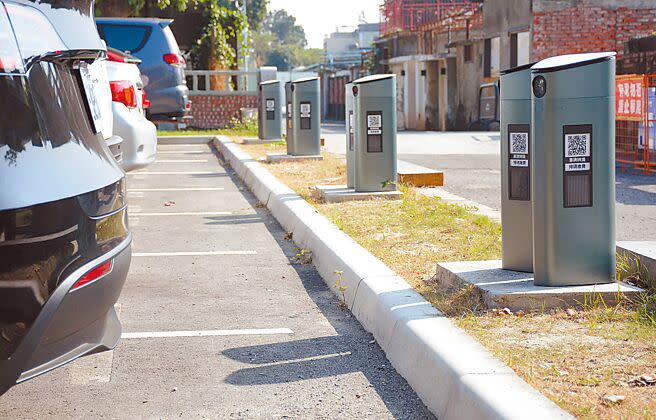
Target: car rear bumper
[[139, 137], [72, 323], [170, 102]]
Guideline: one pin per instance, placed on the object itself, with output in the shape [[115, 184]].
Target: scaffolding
[[409, 15]]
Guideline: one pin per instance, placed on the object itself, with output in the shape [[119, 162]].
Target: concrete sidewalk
[[219, 319]]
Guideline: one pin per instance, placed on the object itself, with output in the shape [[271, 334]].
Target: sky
[[321, 17]]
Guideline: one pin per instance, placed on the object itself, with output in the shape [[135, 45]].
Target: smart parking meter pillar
[[350, 136], [289, 126], [270, 111], [516, 212], [374, 106], [306, 116], [573, 178]]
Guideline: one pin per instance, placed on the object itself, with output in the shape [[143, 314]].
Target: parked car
[[64, 239], [98, 75], [129, 103], [162, 64]]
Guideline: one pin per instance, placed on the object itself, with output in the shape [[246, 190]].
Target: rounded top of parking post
[[515, 83], [305, 79], [373, 78], [569, 61]]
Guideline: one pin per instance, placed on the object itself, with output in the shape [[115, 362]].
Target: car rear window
[[10, 60], [130, 38], [28, 21]]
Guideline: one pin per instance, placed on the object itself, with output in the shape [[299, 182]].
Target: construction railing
[[408, 15], [635, 122], [221, 82]]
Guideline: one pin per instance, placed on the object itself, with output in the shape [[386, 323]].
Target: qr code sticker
[[374, 121], [577, 145], [519, 143]]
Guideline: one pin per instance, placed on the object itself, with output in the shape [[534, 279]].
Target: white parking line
[[173, 189], [188, 213], [183, 152], [206, 333], [180, 160], [176, 173], [191, 254]]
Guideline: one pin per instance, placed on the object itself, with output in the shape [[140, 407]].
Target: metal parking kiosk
[[516, 207], [374, 107], [350, 136], [306, 115], [573, 177], [289, 121], [270, 111]]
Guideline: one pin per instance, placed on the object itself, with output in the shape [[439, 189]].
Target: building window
[[491, 57], [519, 48], [468, 53]]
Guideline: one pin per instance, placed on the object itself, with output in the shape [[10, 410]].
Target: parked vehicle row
[[73, 119]]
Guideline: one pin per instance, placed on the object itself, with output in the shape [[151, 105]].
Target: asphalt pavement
[[220, 319], [471, 165]]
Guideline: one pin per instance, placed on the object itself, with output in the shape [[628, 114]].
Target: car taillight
[[174, 59], [116, 57], [145, 103], [123, 91], [94, 274]]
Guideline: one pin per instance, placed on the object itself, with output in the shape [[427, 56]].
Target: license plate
[[92, 100]]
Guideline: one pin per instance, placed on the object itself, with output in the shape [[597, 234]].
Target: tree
[[285, 28], [225, 22]]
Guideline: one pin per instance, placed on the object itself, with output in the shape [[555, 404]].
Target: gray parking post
[[374, 106], [306, 116], [573, 177], [350, 136], [270, 111], [516, 207], [289, 122]]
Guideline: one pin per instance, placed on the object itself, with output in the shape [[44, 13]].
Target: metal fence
[[635, 122], [222, 82]]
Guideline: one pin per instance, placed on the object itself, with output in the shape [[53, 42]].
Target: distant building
[[443, 50], [347, 55]]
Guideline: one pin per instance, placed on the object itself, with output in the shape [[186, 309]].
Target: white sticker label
[[519, 163], [270, 105], [519, 143], [289, 110], [305, 110], [351, 128], [577, 145], [374, 121], [572, 167]]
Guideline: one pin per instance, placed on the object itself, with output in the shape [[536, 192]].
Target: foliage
[[282, 43], [225, 23]]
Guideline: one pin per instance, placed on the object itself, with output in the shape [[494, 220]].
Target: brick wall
[[217, 111], [588, 27]]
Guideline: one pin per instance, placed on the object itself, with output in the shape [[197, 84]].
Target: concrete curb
[[450, 371]]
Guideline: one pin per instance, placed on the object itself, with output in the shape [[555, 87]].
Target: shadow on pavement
[[351, 350], [631, 188]]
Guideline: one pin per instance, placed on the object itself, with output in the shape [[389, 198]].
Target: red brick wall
[[588, 28], [217, 111]]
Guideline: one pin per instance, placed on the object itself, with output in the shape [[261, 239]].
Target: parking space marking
[[191, 254], [188, 213], [206, 333], [177, 173], [181, 160], [174, 189], [183, 152]]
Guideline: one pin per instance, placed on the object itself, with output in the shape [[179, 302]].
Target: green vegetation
[[246, 128]]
